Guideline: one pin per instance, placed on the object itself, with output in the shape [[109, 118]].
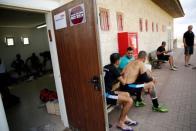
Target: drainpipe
[[3, 120]]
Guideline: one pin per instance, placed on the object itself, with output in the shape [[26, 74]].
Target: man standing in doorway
[[188, 40]]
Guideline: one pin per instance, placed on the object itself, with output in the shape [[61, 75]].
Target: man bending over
[[136, 78], [113, 97]]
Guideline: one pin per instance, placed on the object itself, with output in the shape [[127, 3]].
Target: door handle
[[95, 80]]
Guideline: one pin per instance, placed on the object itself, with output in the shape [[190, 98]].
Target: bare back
[[133, 70]]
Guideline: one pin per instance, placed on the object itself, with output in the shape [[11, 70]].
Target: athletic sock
[[155, 102], [138, 95]]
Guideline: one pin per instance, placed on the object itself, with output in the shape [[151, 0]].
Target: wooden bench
[[154, 61]]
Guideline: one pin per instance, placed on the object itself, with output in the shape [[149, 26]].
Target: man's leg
[[171, 61], [150, 88], [126, 100], [188, 59]]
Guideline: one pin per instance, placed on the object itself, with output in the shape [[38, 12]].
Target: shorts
[[111, 98], [188, 50], [133, 89], [164, 58]]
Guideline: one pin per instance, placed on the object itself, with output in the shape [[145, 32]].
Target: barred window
[[141, 24], [146, 23], [104, 19], [119, 17], [152, 26]]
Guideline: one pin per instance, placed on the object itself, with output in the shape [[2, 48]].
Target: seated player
[[163, 55], [113, 97], [136, 78]]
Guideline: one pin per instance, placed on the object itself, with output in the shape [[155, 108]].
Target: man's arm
[[184, 41], [122, 80]]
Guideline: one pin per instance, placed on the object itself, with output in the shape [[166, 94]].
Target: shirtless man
[[113, 97], [136, 77]]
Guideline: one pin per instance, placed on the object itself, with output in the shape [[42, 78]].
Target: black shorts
[[164, 58], [188, 50], [132, 91], [111, 98]]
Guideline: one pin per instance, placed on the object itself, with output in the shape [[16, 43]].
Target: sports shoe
[[174, 69], [139, 104], [175, 66], [160, 109]]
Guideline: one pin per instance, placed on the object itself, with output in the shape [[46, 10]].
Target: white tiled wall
[[132, 11]]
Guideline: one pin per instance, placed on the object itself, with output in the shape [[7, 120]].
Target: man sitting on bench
[[113, 97], [163, 55], [137, 78]]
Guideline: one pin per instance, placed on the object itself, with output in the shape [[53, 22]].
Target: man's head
[[18, 56], [142, 56], [163, 44], [114, 58], [129, 52], [190, 27]]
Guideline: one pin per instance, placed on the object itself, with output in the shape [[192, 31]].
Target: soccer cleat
[[139, 104], [160, 109]]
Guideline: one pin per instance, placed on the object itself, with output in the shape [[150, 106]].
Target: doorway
[[21, 35]]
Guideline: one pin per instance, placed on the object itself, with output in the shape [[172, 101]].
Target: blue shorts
[[111, 98]]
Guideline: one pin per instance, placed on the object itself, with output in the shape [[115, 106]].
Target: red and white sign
[[77, 15]]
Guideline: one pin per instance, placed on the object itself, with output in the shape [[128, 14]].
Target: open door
[[78, 53]]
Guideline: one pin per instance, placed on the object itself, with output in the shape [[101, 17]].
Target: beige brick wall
[[132, 11]]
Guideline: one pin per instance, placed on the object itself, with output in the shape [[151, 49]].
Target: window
[[157, 27], [104, 19], [146, 23], [25, 40], [152, 26], [141, 24], [10, 41], [119, 17]]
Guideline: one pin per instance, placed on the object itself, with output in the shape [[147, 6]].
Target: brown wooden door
[[78, 54]]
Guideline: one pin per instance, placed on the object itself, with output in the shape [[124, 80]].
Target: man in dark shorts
[[137, 78], [113, 97], [163, 55], [188, 40]]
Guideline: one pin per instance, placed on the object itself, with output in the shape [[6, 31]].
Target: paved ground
[[176, 90]]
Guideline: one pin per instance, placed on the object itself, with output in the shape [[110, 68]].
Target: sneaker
[[139, 104], [160, 109], [174, 69], [175, 66]]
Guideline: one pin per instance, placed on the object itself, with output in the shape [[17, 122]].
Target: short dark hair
[[114, 57], [142, 54], [129, 49], [163, 43]]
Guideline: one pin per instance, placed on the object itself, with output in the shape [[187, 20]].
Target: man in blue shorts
[[137, 78], [113, 97]]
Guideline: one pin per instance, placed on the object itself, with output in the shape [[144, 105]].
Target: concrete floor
[[31, 113], [176, 90]]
